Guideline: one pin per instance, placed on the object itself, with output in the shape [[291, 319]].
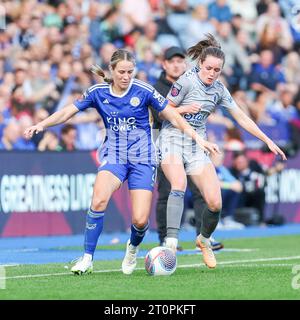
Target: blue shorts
[[139, 175]]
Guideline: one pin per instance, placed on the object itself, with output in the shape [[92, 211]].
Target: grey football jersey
[[190, 89]]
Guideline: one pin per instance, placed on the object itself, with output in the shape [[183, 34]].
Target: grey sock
[[174, 212], [210, 220]]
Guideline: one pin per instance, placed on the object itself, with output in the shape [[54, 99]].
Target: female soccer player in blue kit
[[127, 152]]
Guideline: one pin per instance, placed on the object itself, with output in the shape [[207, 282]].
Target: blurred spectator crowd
[[48, 47]]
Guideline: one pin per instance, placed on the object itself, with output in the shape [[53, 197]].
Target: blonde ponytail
[[98, 71]]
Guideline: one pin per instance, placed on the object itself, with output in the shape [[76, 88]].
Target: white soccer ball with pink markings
[[160, 261]]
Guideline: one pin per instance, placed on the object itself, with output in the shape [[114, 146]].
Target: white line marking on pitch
[[251, 265], [238, 262], [10, 265], [239, 250], [21, 250], [244, 261]]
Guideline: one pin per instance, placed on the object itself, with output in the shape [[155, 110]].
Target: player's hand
[[275, 149], [29, 132], [191, 108], [209, 147]]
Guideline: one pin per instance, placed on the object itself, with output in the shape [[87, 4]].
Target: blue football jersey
[[126, 118]]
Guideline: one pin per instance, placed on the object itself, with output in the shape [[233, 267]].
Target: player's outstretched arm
[[180, 123], [191, 108], [248, 124], [183, 109], [57, 117]]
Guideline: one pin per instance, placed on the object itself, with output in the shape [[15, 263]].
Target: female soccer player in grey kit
[[180, 156]]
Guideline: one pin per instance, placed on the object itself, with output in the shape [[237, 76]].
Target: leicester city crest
[[135, 101]]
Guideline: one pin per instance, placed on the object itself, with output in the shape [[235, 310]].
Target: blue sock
[[137, 235], [93, 229]]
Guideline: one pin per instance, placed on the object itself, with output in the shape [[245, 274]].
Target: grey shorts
[[187, 150]]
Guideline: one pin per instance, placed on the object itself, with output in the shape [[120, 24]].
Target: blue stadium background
[[46, 50]]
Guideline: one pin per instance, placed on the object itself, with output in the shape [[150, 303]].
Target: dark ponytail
[[207, 47]]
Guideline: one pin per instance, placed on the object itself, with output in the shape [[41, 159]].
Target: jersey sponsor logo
[[175, 89], [159, 97], [198, 118], [135, 101], [121, 124]]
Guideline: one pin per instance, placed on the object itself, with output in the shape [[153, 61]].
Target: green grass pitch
[[255, 268]]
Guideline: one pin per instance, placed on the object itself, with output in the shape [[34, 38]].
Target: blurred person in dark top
[[12, 138], [19, 104], [149, 66], [269, 40], [68, 138], [253, 178], [231, 189], [264, 76], [105, 53], [49, 142], [109, 27], [295, 125]]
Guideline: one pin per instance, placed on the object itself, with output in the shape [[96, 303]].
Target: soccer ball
[[160, 261]]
